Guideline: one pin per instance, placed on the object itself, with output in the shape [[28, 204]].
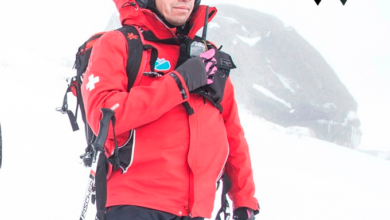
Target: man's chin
[[178, 20]]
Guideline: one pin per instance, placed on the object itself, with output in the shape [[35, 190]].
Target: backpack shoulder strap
[[135, 52]]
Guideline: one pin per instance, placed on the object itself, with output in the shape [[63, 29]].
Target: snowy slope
[[297, 177]]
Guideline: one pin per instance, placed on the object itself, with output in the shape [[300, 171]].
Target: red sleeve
[[105, 86], [238, 166]]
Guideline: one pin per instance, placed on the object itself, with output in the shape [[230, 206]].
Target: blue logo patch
[[162, 64]]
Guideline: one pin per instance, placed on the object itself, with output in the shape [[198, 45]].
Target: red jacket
[[177, 158]]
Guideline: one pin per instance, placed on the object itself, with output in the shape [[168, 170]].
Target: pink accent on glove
[[249, 213], [210, 61]]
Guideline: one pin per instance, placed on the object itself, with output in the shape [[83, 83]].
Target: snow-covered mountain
[[281, 77], [284, 79]]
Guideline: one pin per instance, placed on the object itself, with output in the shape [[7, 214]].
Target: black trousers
[[128, 212]]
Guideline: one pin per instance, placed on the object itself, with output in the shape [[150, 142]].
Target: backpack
[[82, 58], [97, 187]]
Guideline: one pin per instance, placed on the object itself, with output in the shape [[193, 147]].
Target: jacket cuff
[[254, 205], [181, 84]]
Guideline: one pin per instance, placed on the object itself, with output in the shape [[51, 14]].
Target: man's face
[[176, 12]]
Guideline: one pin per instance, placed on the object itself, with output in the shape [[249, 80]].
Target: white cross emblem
[[91, 82]]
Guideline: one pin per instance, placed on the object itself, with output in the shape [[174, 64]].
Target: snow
[[282, 79], [330, 105], [229, 19], [269, 94], [297, 177], [244, 29], [250, 41], [352, 116], [212, 25]]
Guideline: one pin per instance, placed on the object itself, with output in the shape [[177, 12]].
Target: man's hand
[[243, 213], [211, 64], [217, 61], [218, 65], [198, 71]]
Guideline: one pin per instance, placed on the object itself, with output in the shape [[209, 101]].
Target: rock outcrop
[[281, 77]]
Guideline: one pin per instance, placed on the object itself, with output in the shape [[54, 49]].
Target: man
[[181, 137]]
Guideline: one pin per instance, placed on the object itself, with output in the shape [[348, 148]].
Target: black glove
[[244, 213], [221, 64], [197, 70]]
